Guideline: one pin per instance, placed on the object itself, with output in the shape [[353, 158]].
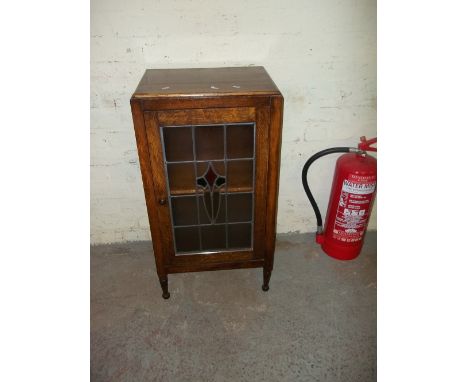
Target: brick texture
[[322, 55]]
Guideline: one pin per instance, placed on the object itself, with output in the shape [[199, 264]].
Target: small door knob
[[162, 201]]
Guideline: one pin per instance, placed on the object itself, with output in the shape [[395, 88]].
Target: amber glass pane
[[186, 239], [240, 141], [178, 143], [239, 207], [239, 236], [219, 208], [213, 237], [184, 210], [240, 175], [212, 194], [211, 181], [181, 178], [209, 142]]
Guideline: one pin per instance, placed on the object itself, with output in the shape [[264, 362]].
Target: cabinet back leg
[[266, 279], [164, 286]]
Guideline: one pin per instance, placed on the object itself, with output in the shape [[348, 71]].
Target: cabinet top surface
[[252, 80]]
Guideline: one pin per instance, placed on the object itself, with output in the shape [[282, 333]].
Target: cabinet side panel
[[262, 153], [276, 124], [146, 174]]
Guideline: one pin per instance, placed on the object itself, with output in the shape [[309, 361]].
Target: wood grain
[[274, 159], [185, 100], [160, 182], [206, 116], [164, 103], [261, 171], [148, 186], [228, 256], [202, 82], [216, 266]]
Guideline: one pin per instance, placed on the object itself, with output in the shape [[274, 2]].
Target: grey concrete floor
[[316, 323]]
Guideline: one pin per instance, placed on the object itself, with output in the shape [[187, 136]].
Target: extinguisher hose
[[311, 160]]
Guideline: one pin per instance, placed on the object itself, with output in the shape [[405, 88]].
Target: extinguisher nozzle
[[319, 230]]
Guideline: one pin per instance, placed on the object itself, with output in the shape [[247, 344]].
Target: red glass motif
[[210, 177]]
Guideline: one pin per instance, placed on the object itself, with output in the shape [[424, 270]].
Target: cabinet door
[[209, 170]]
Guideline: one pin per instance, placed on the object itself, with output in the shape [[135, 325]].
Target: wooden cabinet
[[209, 147]]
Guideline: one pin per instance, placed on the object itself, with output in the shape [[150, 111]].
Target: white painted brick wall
[[321, 54]]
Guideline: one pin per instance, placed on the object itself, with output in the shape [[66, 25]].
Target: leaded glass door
[[213, 179]]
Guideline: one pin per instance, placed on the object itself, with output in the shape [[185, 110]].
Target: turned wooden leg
[[266, 279], [164, 286]]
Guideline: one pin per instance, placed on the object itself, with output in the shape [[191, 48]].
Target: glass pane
[[213, 237], [178, 143], [239, 236], [181, 178], [240, 175], [184, 210], [214, 188], [186, 239], [240, 141], [219, 207], [211, 181], [209, 142], [239, 207]]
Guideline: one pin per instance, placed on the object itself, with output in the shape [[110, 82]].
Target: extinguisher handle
[[365, 144]]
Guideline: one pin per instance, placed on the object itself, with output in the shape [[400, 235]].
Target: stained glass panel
[[213, 237], [184, 210], [240, 207], [210, 171], [205, 214], [178, 143], [186, 239], [240, 141], [240, 175], [210, 184], [209, 142], [239, 235], [181, 178]]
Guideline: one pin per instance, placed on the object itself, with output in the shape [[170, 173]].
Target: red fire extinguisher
[[351, 199]]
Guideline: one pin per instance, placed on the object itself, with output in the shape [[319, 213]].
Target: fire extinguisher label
[[354, 207]]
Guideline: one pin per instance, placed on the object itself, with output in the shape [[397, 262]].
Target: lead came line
[[196, 188], [252, 231], [209, 224], [209, 160], [226, 185], [221, 193], [226, 194]]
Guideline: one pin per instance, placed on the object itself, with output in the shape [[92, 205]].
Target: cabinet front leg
[[266, 279], [164, 286]]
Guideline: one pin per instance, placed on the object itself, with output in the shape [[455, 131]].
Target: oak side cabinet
[[209, 144]]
